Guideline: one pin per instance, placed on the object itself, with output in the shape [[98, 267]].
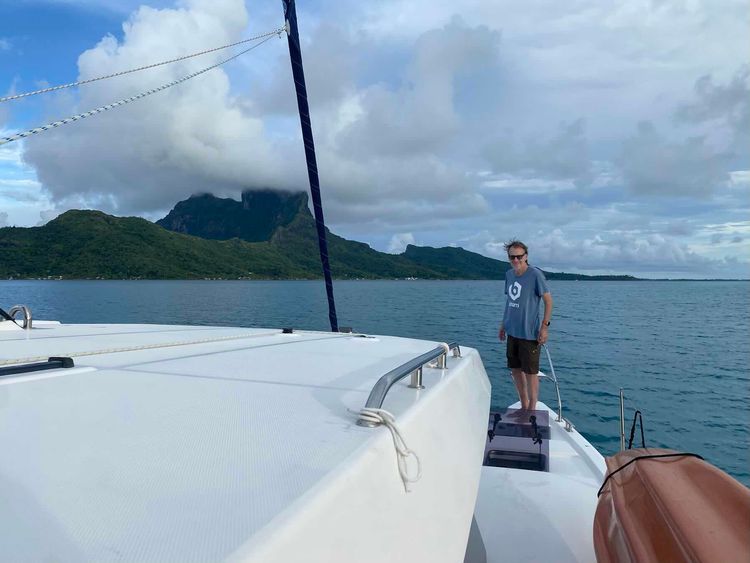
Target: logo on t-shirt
[[514, 291]]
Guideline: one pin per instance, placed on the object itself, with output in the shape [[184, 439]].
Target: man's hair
[[516, 244]]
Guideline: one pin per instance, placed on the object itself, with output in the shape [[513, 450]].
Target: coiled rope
[[382, 416], [90, 80], [30, 132]]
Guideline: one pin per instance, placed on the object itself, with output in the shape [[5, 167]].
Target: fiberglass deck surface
[[175, 453], [529, 516]]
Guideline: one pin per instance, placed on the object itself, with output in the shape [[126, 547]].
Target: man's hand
[[542, 338], [501, 334]]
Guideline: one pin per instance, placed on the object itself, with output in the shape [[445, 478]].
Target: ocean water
[[680, 350]]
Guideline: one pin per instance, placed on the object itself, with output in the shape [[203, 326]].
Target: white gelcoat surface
[[243, 448], [528, 516]]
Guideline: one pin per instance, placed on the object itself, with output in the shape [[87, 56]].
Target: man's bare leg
[[519, 379], [532, 382]]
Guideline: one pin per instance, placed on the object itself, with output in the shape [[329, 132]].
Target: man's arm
[[547, 298], [501, 330]]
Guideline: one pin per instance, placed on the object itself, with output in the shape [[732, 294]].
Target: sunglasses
[[516, 256]]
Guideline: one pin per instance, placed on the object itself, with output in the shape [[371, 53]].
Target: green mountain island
[[266, 235]]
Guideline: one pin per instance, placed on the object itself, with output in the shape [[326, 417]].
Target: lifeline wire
[[80, 83], [30, 132]]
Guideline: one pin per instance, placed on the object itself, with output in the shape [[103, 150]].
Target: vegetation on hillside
[[94, 245]]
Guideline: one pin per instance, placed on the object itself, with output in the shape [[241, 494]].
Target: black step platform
[[518, 439]]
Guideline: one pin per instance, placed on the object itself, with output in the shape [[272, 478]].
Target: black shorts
[[523, 354]]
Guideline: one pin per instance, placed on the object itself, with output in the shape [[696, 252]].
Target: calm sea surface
[[680, 350]]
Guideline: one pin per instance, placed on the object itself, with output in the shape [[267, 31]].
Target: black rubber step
[[52, 363]]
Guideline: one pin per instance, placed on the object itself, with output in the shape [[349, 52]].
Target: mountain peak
[[255, 218]]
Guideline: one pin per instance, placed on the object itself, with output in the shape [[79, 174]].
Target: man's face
[[516, 257]]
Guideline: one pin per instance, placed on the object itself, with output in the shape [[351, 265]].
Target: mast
[[295, 55]]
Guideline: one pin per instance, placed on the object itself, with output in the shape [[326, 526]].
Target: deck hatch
[[515, 441]]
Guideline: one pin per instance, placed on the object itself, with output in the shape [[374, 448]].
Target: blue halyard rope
[[295, 54]]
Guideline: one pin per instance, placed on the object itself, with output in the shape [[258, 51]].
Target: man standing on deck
[[525, 287]]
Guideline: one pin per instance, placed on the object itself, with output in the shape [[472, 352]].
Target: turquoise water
[[680, 350]]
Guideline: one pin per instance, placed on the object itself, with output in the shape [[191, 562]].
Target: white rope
[[382, 416], [30, 132], [149, 347], [81, 82]]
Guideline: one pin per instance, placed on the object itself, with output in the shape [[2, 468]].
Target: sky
[[610, 137]]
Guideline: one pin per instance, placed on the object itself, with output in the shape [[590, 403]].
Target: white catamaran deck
[[543, 516], [219, 441]]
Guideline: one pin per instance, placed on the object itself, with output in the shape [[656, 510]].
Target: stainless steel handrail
[[554, 379], [622, 420], [414, 367], [26, 315]]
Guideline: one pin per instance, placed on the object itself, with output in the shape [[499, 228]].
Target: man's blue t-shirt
[[523, 295]]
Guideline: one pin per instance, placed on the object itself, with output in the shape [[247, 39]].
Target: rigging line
[[81, 82], [295, 56], [30, 132], [645, 456]]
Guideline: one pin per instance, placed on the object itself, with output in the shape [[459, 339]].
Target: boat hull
[[672, 507]]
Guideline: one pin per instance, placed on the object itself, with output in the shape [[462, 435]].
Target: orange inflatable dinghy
[[662, 506]]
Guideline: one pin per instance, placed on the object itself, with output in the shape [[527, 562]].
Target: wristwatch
[[547, 323]]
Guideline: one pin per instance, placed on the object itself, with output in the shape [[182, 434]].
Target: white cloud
[[399, 242], [3, 219], [46, 215], [653, 165], [620, 250], [651, 255], [10, 153], [421, 115], [699, 165], [729, 104], [22, 196], [437, 120], [536, 185], [21, 190], [150, 154], [118, 6], [378, 145], [722, 113], [5, 44], [564, 156]]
